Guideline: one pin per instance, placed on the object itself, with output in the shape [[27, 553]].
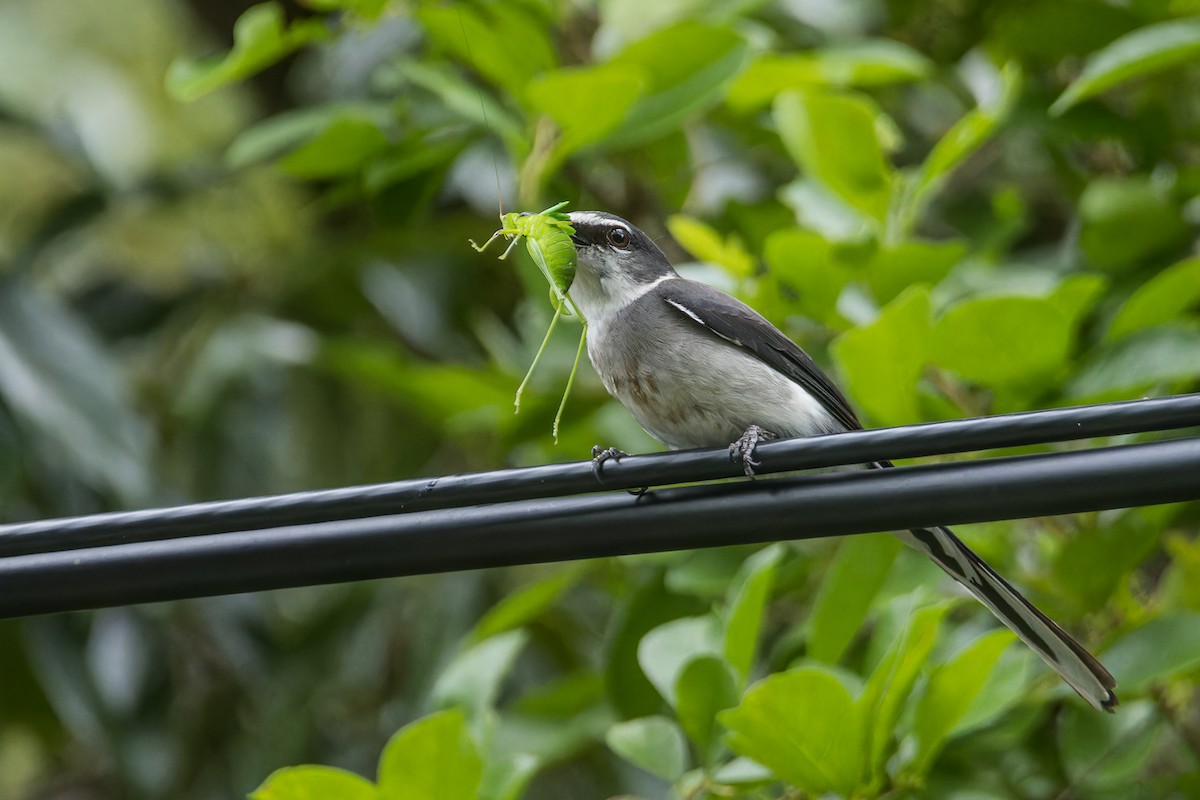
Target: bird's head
[[617, 263]]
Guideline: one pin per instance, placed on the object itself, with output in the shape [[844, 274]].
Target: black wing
[[736, 322]]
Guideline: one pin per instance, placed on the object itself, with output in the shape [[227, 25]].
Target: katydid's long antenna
[[500, 205], [482, 108], [562, 298]]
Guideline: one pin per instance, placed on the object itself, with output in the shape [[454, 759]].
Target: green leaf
[[563, 696], [340, 149], [706, 244], [1108, 751], [1127, 220], [1168, 354], [742, 772], [833, 138], [747, 602], [818, 209], [432, 757], [466, 101], [60, 384], [651, 605], [892, 680], [685, 68], [286, 131], [625, 21], [506, 778], [804, 726], [877, 62], [882, 362], [1005, 688], [706, 686], [859, 569], [1181, 584], [1091, 565], [952, 689], [554, 738], [473, 678], [1161, 649], [1077, 294], [527, 603], [666, 650], [404, 162], [261, 36], [963, 139], [810, 268], [439, 391], [653, 743], [1134, 55], [894, 268], [569, 95], [1160, 299], [367, 9], [503, 42], [665, 162], [312, 782], [706, 573], [1002, 341]]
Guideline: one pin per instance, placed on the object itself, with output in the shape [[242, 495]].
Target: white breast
[[602, 302]]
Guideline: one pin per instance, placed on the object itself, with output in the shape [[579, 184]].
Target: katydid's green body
[[547, 237]]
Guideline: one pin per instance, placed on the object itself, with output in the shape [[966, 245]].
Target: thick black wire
[[556, 480], [531, 531]]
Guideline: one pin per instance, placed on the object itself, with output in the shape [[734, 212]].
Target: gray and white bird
[[699, 368]]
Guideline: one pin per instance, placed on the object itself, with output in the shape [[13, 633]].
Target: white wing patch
[[699, 321]]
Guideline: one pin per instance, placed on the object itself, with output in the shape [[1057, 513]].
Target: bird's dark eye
[[618, 237]]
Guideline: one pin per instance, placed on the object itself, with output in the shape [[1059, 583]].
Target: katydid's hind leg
[[536, 359], [571, 380]]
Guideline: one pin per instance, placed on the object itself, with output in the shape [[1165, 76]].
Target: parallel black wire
[[531, 531], [556, 480]]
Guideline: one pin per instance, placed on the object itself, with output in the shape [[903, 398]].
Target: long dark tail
[[1067, 657], [1064, 655]]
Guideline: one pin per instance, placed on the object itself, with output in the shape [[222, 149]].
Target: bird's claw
[[741, 451], [602, 454]]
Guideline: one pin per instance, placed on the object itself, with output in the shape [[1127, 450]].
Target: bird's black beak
[[576, 239]]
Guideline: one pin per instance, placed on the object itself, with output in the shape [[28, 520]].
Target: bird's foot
[[743, 449], [602, 454]]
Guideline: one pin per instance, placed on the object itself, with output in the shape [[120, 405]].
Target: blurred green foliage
[[235, 263]]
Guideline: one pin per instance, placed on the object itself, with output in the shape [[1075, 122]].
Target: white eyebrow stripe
[[698, 320], [589, 218], [602, 224]]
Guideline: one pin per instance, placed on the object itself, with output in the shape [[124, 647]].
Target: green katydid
[[547, 237]]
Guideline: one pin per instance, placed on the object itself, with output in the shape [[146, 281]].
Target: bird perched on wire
[[699, 368]]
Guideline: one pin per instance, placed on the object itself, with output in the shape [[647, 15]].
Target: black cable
[[556, 480], [532, 531]]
